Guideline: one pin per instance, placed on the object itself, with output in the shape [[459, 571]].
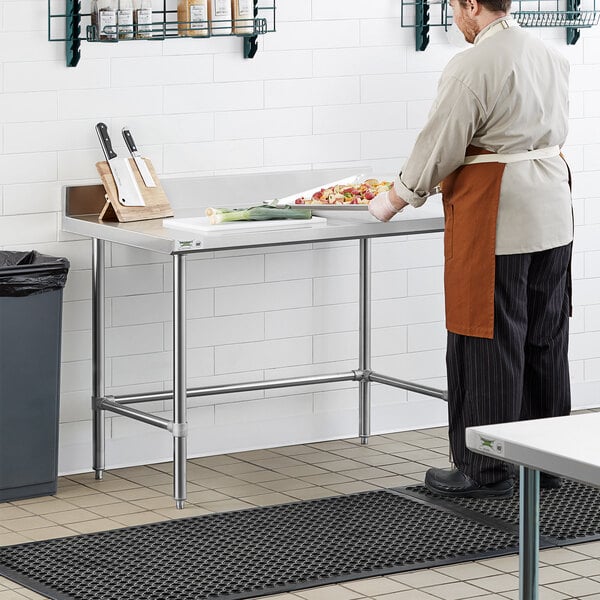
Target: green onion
[[264, 212]]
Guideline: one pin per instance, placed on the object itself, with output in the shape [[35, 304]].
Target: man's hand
[[385, 205]]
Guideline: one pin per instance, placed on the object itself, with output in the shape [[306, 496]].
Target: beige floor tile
[[317, 458], [312, 493], [368, 473], [403, 468], [454, 591], [114, 510], [407, 595], [357, 453], [578, 588], [553, 574], [293, 450], [48, 533], [73, 516], [13, 595], [25, 523], [9, 539], [136, 494], [423, 578], [332, 446], [94, 499], [263, 476], [341, 464], [589, 549], [244, 489], [239, 468], [284, 485], [278, 462], [224, 505], [507, 564], [181, 513], [212, 461], [52, 506], [327, 479], [204, 496], [7, 583], [467, 571], [544, 593], [396, 447], [95, 525], [352, 487], [586, 568], [381, 460], [376, 586], [268, 499], [142, 518], [302, 471], [112, 485], [333, 592], [8, 512], [557, 556], [161, 501], [498, 583], [254, 455], [392, 481]]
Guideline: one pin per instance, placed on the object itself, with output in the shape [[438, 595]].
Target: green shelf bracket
[[73, 29], [573, 33], [422, 25]]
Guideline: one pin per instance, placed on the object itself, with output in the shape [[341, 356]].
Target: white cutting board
[[202, 224]]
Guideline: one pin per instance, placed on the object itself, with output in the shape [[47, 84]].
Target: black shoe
[[452, 482], [550, 482]]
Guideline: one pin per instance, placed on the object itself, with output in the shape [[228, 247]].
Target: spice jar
[[125, 19], [104, 19], [143, 20], [192, 17], [220, 17], [243, 16]]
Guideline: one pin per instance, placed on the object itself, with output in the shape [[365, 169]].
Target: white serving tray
[[202, 224]]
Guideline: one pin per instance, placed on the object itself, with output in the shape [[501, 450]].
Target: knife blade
[[137, 157], [127, 188]]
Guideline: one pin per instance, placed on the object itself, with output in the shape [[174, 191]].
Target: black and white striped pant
[[523, 372]]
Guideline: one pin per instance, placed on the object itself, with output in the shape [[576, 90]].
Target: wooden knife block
[[157, 203]]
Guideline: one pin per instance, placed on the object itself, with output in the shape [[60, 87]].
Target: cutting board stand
[[157, 204]]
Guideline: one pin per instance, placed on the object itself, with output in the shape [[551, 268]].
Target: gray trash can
[[31, 289]]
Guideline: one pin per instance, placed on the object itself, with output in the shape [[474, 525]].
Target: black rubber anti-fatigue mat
[[568, 515], [254, 552]]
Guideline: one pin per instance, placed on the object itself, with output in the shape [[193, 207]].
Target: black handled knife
[[127, 188], [137, 157]]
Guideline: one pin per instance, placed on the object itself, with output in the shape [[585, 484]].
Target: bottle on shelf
[[243, 16], [125, 19], [142, 18], [192, 17], [104, 19], [220, 17]]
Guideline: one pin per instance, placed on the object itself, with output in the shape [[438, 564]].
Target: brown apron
[[471, 195]]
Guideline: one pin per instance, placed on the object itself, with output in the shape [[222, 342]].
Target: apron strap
[[549, 152]]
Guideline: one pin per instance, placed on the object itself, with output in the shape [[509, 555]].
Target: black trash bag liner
[[28, 273]]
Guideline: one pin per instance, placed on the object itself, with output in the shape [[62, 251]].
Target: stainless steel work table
[[189, 197]]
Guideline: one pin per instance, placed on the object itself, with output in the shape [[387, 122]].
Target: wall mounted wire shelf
[[70, 21], [567, 14]]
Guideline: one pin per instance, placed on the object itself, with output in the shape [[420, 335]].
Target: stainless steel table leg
[[529, 533], [98, 360], [179, 382], [364, 351]]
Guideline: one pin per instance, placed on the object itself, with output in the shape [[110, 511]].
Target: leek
[[265, 212]]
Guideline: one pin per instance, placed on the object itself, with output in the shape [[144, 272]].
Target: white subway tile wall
[[338, 84]]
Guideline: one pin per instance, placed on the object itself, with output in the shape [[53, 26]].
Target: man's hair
[[493, 5]]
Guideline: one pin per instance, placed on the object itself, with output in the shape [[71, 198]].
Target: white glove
[[382, 208]]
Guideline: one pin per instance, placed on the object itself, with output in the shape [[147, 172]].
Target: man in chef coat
[[493, 141]]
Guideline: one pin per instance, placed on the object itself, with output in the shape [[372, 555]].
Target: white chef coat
[[508, 93]]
